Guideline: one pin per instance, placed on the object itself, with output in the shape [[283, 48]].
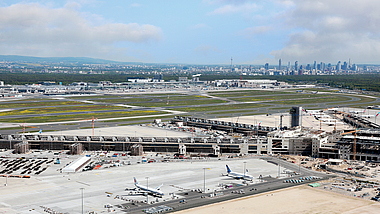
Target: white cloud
[[251, 31], [225, 1], [332, 31], [33, 29], [234, 8]]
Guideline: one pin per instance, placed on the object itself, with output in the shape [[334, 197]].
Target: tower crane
[[93, 124], [25, 126]]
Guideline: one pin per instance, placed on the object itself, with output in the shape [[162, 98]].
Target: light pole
[[299, 167], [147, 186], [204, 179], [244, 167], [82, 198]]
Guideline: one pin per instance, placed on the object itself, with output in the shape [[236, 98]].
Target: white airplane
[[355, 112], [367, 116], [147, 190], [237, 175], [332, 123]]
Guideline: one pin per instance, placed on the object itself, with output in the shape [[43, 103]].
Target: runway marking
[[178, 187], [83, 183]]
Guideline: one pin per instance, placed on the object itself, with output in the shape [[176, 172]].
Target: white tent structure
[[77, 164]]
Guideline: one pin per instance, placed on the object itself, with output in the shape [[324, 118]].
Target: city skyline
[[199, 32]]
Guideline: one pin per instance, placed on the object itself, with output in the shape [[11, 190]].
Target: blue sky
[[194, 32]]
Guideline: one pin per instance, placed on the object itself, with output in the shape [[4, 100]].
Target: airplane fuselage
[[237, 175], [149, 190]]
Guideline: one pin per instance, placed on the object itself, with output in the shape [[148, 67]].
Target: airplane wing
[[236, 176], [158, 188], [131, 189]]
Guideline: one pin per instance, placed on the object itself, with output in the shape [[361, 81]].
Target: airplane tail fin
[[134, 179], [228, 169]]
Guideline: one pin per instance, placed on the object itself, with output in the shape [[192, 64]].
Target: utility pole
[[82, 198], [147, 186], [204, 179], [244, 166], [231, 63], [354, 149], [204, 175], [299, 167]]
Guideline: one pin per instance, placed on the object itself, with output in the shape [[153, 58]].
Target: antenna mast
[[231, 63]]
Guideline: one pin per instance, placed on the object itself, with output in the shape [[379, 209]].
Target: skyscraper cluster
[[311, 69]]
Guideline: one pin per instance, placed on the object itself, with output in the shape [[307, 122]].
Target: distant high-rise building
[[279, 64], [266, 66], [354, 67], [345, 66], [289, 66], [338, 66], [322, 66], [296, 65], [315, 65]]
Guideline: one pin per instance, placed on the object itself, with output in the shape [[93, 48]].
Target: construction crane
[[93, 124], [24, 126], [354, 146]]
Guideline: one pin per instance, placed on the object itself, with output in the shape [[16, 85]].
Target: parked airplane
[[147, 190], [237, 175], [367, 116], [355, 112], [332, 123]]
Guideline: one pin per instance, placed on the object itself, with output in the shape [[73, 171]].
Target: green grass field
[[164, 103], [221, 107], [247, 93], [37, 103], [279, 97], [44, 119], [64, 109], [312, 100]]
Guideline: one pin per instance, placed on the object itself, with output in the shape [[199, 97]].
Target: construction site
[[297, 145]]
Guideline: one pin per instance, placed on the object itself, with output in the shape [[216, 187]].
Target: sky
[[194, 32]]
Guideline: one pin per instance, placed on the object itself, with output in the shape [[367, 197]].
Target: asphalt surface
[[195, 199], [272, 108]]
